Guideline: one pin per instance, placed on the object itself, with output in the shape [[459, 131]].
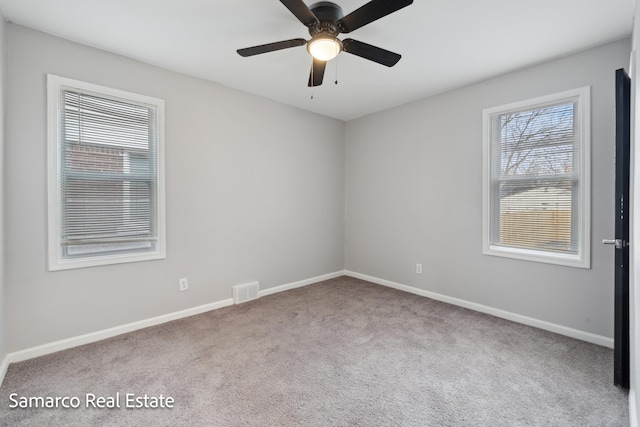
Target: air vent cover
[[245, 292]]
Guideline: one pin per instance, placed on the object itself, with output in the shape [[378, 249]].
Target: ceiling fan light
[[324, 48]]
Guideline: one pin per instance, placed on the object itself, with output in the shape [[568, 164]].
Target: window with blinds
[[536, 186], [105, 183]]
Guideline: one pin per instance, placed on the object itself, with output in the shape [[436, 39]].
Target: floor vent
[[245, 292]]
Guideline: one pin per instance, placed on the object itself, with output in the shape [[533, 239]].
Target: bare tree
[[536, 146]]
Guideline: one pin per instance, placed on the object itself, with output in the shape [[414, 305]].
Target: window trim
[[582, 96], [56, 261]]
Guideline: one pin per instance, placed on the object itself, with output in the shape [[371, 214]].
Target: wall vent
[[245, 292]]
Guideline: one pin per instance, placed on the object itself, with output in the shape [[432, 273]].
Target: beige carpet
[[338, 353]]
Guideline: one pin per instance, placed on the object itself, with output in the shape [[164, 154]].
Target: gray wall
[[3, 310], [414, 195], [255, 191]]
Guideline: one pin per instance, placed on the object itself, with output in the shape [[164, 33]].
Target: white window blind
[[536, 179], [109, 187]]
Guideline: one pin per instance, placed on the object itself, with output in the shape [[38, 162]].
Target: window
[[536, 179], [106, 175]]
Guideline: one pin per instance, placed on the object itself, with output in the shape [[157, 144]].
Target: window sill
[[538, 256], [67, 264]]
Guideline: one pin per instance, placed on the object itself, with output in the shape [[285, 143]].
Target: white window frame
[[582, 119], [56, 259]]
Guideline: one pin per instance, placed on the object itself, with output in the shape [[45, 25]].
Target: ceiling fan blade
[[301, 11], [372, 53], [317, 72], [270, 47], [370, 12]]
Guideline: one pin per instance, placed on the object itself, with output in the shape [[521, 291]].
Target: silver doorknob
[[617, 242]]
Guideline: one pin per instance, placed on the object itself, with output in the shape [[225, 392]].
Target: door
[[620, 242]]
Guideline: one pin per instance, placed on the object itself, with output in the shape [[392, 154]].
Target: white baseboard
[[633, 409], [118, 330], [65, 344], [301, 283], [541, 324], [4, 365]]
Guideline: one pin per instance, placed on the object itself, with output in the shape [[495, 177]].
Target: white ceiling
[[444, 43]]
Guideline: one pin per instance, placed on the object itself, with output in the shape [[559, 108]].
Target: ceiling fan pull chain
[[336, 82]]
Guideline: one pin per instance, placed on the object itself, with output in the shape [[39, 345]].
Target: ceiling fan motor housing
[[328, 15]]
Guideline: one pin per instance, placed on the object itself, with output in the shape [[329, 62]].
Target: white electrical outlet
[[184, 284], [418, 268]]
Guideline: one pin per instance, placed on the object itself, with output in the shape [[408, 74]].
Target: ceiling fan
[[325, 21]]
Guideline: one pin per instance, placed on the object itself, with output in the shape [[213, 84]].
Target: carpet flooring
[[343, 352]]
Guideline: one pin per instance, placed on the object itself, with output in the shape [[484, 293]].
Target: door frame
[[622, 219]]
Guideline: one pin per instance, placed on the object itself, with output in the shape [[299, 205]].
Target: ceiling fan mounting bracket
[[327, 11]]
